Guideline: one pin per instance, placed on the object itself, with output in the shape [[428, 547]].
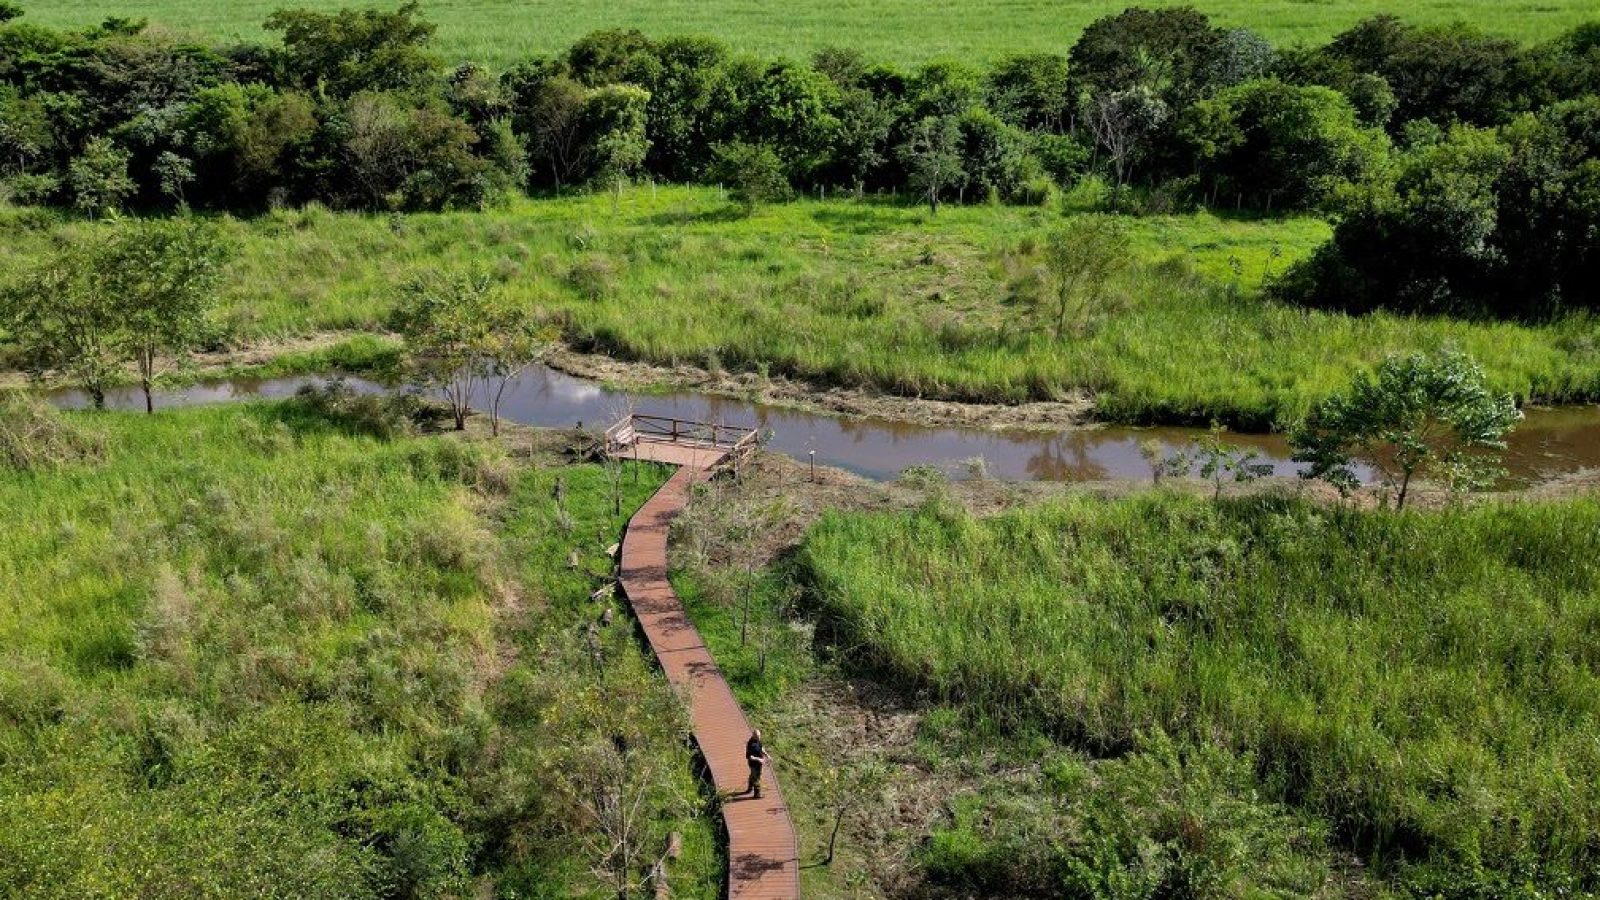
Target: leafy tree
[[1297, 146], [932, 157], [861, 135], [689, 94], [1547, 211], [9, 11], [175, 173], [475, 96], [1449, 74], [550, 114], [844, 66], [447, 319], [1080, 259], [1123, 123], [787, 107], [994, 154], [1425, 245], [943, 89], [98, 179], [514, 342], [1566, 68], [401, 157], [1236, 56], [754, 171], [26, 133], [63, 320], [613, 56], [1165, 52], [355, 50], [1032, 91], [162, 274], [1414, 416], [133, 291], [615, 115], [249, 141]]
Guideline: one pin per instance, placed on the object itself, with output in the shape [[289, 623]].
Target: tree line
[[1461, 167]]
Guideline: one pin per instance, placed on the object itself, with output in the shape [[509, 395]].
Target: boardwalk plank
[[763, 859]]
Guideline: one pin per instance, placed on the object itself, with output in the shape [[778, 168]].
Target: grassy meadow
[[500, 32], [1423, 684], [871, 294], [258, 650]]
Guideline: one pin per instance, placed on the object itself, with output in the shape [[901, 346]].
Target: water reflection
[[1548, 443]]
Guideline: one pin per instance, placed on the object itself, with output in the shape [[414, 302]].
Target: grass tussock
[[1424, 684], [34, 436]]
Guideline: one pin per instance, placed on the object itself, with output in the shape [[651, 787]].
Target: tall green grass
[[500, 32], [255, 651], [877, 295], [1426, 683]]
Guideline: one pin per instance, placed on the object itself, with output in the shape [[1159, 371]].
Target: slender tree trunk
[[98, 394], [149, 401], [1405, 486]]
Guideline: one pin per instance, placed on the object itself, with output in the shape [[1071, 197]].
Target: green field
[[257, 651], [499, 32], [1424, 683], [876, 295]]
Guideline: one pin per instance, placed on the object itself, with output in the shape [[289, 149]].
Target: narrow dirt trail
[[763, 857]]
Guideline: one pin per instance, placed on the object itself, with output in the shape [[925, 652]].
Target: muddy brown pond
[[1547, 444]]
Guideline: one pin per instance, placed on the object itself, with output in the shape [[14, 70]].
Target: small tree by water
[[445, 318], [136, 292], [1413, 416], [1080, 260]]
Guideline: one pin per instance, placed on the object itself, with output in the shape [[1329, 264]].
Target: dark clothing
[[756, 756]]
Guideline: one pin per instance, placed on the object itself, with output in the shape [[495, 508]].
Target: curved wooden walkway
[[763, 856]]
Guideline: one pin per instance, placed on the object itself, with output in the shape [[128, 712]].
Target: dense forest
[[1462, 169]]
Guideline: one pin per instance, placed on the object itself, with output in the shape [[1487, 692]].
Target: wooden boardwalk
[[763, 855]]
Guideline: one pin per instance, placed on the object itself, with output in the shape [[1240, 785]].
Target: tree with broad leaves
[[447, 321], [1413, 416], [932, 157], [1122, 123], [98, 179], [64, 322], [139, 291], [162, 274]]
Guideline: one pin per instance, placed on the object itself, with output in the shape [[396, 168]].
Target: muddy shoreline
[[651, 378], [831, 401]]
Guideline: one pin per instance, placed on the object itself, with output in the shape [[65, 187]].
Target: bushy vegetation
[[261, 650], [355, 109], [1422, 683]]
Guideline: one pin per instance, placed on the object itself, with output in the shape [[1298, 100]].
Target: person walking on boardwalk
[[756, 756]]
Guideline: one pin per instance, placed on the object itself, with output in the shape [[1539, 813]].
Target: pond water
[[1550, 442]]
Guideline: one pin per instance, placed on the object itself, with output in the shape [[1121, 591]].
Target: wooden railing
[[736, 440]]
